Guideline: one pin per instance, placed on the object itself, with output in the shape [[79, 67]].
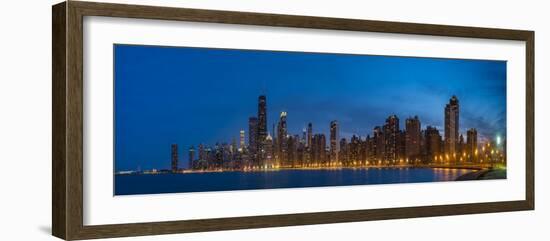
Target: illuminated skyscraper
[[401, 145], [202, 153], [365, 150], [233, 146], [268, 145], [209, 157], [334, 144], [378, 143], [412, 137], [451, 125], [261, 134], [461, 146], [174, 164], [344, 151], [355, 150], [391, 138], [318, 148], [191, 157], [241, 140], [433, 144], [371, 149], [292, 150], [309, 134], [303, 140], [282, 138]]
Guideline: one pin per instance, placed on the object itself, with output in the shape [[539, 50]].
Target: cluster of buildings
[[387, 145]]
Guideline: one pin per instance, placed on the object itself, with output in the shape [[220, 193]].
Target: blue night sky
[[188, 96]]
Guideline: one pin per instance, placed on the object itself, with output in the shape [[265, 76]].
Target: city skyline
[[368, 110], [387, 145]]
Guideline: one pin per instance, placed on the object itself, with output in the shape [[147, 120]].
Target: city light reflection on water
[[286, 178]]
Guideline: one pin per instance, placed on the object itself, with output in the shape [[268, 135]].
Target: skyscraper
[[319, 144], [241, 140], [309, 134], [378, 143], [451, 125], [174, 164], [282, 138], [371, 149], [191, 157], [344, 152], [433, 141], [303, 140], [209, 158], [202, 153], [365, 150], [401, 145], [252, 138], [262, 124], [334, 144], [471, 143], [391, 138], [461, 145], [233, 146], [292, 150], [412, 137], [355, 149], [268, 145]]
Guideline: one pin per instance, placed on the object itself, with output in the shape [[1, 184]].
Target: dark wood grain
[[530, 120], [58, 121], [67, 154], [74, 120]]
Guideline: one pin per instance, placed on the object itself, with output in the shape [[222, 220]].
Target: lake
[[287, 178]]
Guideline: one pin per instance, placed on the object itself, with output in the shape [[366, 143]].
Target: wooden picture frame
[[67, 150]]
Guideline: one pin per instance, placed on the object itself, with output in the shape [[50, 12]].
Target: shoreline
[[476, 168], [484, 174]]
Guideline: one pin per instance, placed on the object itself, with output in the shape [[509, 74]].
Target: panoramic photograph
[[191, 119]]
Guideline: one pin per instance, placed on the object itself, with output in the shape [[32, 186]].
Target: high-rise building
[[233, 146], [209, 158], [202, 153], [303, 140], [319, 144], [282, 138], [391, 138], [344, 150], [334, 144], [252, 138], [191, 162], [461, 146], [174, 164], [300, 153], [262, 124], [378, 143], [451, 125], [412, 137], [370, 143], [401, 145], [433, 144], [355, 149], [292, 150], [365, 150], [471, 143], [268, 146], [309, 134], [241, 140], [218, 156]]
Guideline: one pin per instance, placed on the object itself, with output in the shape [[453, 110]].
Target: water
[[225, 181]]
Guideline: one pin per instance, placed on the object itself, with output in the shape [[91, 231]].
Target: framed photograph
[[170, 120]]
